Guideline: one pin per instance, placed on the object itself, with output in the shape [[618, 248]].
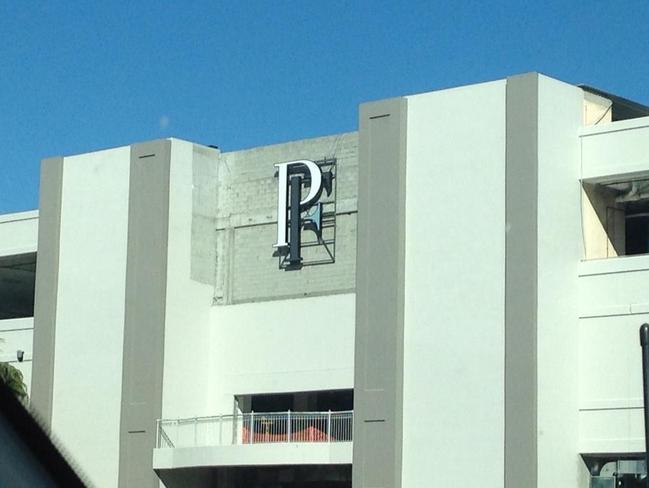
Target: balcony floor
[[270, 454]]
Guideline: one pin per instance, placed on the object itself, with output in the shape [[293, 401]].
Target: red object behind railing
[[309, 434]]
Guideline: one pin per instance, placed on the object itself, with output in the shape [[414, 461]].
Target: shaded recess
[[306, 476], [17, 281]]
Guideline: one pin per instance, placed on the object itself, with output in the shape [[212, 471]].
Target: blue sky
[[81, 76]]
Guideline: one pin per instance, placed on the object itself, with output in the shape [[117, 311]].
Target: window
[[17, 282], [311, 401], [616, 218]]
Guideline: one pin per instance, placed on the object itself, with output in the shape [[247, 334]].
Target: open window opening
[[616, 471], [615, 218], [17, 283], [309, 401], [315, 416]]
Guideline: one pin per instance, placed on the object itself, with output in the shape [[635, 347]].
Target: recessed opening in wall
[[307, 401], [17, 282], [616, 470], [309, 416], [616, 218]]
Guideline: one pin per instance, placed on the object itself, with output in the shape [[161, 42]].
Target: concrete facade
[[464, 308], [438, 292]]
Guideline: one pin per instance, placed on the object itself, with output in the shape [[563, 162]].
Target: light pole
[[644, 342]]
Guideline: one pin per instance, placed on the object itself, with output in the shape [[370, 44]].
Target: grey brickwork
[[235, 216]]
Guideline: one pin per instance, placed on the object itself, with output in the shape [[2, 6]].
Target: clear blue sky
[[80, 76]]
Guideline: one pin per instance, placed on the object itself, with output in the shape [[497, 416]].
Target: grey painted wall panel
[[379, 295], [144, 311], [47, 273], [521, 271]]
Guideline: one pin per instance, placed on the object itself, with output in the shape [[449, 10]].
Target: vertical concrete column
[[521, 281], [378, 380], [47, 281], [144, 322]]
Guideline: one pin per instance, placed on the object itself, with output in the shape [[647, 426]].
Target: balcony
[[271, 438], [614, 150]]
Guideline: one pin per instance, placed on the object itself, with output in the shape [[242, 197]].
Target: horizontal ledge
[[19, 216], [616, 311], [618, 126], [620, 264], [303, 453], [611, 404], [615, 445]]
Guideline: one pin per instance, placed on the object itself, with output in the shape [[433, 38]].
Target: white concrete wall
[[289, 453], [90, 311], [453, 408], [18, 233], [617, 148], [613, 304], [559, 251], [187, 376], [213, 353], [304, 344]]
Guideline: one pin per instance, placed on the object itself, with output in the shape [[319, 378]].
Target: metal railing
[[256, 428]]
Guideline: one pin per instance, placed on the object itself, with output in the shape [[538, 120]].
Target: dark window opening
[[17, 283], [314, 416], [287, 476], [637, 227], [616, 471], [616, 218], [311, 401]]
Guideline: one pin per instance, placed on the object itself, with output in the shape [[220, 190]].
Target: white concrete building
[[482, 260]]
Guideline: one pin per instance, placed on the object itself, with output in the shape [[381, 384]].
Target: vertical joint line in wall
[[229, 276], [504, 303], [217, 258]]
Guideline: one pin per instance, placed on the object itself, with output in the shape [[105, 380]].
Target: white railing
[[256, 428]]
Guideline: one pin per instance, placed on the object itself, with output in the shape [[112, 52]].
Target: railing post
[[288, 427], [157, 433], [220, 430], [252, 426], [329, 425], [195, 431]]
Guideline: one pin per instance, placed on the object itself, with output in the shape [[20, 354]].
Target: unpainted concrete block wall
[[235, 218]]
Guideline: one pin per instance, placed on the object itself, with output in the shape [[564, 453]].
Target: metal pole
[[295, 260], [252, 426], [644, 342], [329, 425], [288, 427]]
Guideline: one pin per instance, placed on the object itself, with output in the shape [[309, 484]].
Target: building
[[482, 260]]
